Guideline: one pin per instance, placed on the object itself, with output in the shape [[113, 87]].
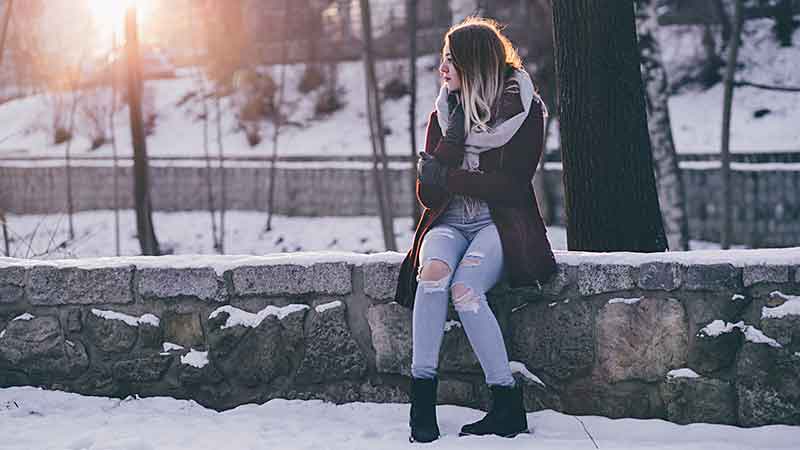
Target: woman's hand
[[430, 171]]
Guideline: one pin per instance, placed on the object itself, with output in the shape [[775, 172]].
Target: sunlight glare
[[110, 14]]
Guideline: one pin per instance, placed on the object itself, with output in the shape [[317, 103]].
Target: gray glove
[[431, 171], [455, 128]]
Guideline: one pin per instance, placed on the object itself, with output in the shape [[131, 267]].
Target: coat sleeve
[[511, 183], [431, 196]]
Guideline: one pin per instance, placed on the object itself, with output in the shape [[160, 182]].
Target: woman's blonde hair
[[481, 55]]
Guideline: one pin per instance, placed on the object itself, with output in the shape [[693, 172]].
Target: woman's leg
[[478, 271], [440, 252]]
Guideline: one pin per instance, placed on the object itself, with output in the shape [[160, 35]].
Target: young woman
[[480, 220]]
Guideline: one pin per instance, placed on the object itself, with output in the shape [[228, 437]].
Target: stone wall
[[766, 213], [688, 337]]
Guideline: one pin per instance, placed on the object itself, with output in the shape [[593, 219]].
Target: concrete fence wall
[[715, 338], [766, 210]]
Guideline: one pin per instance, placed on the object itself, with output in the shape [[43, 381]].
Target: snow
[[737, 297], [682, 373], [751, 333], [26, 316], [2, 333], [169, 346], [32, 418], [790, 307], [718, 327], [149, 319], [195, 358], [518, 367], [627, 301], [695, 113], [241, 317], [187, 235], [330, 305], [450, 324], [756, 336]]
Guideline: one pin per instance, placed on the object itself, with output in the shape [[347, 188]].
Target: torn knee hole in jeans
[[435, 278], [465, 299], [472, 259]]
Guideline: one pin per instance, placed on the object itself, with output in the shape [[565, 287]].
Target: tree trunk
[[201, 85], [671, 193], [221, 153], [141, 180], [727, 102], [411, 15], [380, 161], [610, 192], [113, 136], [277, 114], [3, 33]]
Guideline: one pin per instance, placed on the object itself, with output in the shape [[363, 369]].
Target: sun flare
[[109, 14]]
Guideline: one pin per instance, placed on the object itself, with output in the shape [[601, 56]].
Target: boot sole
[[510, 435]]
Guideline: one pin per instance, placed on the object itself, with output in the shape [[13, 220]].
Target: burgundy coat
[[505, 185]]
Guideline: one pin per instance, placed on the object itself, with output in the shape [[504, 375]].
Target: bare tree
[[277, 114], [380, 161], [609, 186], [727, 102], [141, 176], [203, 96], [411, 16], [671, 194], [113, 136], [6, 19]]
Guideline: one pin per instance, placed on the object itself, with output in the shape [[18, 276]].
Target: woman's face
[[448, 71]]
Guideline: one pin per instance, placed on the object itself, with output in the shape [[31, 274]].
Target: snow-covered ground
[[46, 236], [695, 114], [31, 419]]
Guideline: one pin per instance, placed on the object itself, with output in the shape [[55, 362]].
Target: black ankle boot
[[506, 416], [423, 410]]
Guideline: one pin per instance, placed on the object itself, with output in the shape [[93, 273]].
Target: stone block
[[707, 400], [380, 280], [37, 348], [143, 369], [600, 278], [51, 286], [764, 274], [660, 276], [12, 284], [390, 325], [200, 283], [331, 353], [712, 277], [556, 339], [642, 340], [111, 335], [184, 329], [291, 279]]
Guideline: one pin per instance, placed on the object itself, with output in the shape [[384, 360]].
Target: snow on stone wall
[[232, 330]]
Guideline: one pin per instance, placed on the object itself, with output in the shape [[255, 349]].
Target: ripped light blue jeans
[[469, 246]]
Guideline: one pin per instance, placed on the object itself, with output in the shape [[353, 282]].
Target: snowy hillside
[[696, 115], [92, 423]]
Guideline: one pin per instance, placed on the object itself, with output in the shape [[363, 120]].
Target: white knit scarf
[[497, 135]]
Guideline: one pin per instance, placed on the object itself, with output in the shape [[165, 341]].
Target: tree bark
[[6, 19], [113, 136], [141, 178], [411, 15], [727, 103], [671, 193], [380, 161], [277, 114], [610, 192]]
